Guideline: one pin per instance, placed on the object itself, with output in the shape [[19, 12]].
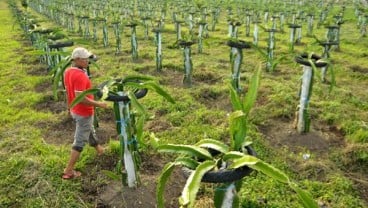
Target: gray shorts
[[84, 132]]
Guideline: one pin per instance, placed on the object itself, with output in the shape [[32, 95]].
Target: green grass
[[31, 167]]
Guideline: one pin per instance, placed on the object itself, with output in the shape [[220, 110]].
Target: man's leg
[[93, 140], [74, 156], [80, 136]]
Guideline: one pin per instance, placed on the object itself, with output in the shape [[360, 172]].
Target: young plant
[[327, 45], [236, 59], [256, 32], [133, 39], [310, 62], [178, 28], [202, 24], [105, 32], [248, 17], [233, 27], [129, 116], [117, 26], [310, 19], [216, 162], [188, 64], [293, 33], [158, 42]]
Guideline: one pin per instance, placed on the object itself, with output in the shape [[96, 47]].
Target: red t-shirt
[[76, 79]]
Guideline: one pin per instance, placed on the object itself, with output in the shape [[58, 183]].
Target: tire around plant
[[58, 45], [140, 93], [226, 175], [303, 59]]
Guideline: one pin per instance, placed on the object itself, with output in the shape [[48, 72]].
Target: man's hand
[[102, 105]]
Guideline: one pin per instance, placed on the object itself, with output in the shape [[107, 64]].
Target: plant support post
[[302, 118]]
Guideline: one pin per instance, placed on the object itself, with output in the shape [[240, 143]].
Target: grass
[[31, 166]]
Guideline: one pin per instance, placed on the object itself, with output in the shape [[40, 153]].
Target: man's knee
[[78, 149]]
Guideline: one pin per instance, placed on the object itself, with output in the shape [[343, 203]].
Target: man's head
[[81, 56]]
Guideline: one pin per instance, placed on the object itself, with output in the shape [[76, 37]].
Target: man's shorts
[[84, 132]]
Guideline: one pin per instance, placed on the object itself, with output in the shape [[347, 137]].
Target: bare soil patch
[[360, 69], [213, 99], [319, 143], [115, 194], [281, 133]]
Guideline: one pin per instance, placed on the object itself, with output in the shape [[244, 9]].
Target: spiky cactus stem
[[105, 33], [188, 65], [200, 36], [158, 40], [255, 32], [247, 24], [326, 55], [305, 93], [128, 143], [274, 21], [226, 195], [282, 22], [293, 30], [190, 22], [363, 26], [94, 30], [178, 29], [302, 114], [215, 16], [146, 27], [236, 59], [70, 22], [310, 25], [80, 25], [233, 29], [133, 41], [270, 50], [298, 39], [117, 31], [85, 22]]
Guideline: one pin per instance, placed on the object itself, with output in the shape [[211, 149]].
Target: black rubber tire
[[328, 43], [43, 31], [331, 26], [140, 93], [303, 59], [227, 176], [294, 26], [239, 44], [184, 43], [271, 30], [60, 44]]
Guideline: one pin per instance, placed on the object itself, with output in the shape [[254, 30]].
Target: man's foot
[[100, 150], [71, 175]]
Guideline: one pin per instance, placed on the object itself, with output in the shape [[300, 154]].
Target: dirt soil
[[318, 144], [115, 194]]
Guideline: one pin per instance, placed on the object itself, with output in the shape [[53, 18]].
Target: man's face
[[81, 62]]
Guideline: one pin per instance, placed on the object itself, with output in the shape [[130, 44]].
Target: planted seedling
[[129, 116], [236, 59], [213, 161], [309, 62]]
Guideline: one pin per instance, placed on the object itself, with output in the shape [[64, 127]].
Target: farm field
[[328, 158]]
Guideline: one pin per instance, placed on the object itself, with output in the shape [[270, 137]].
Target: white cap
[[80, 52]]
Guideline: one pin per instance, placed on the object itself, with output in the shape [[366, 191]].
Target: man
[[76, 81]]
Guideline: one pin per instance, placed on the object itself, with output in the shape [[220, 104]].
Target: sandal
[[73, 174]]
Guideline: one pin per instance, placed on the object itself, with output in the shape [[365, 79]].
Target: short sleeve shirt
[[76, 80]]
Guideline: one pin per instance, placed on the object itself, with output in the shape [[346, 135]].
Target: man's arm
[[88, 101]]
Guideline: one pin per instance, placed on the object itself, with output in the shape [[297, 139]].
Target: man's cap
[[80, 52]]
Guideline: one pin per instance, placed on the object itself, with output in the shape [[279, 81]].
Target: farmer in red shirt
[[76, 81]]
